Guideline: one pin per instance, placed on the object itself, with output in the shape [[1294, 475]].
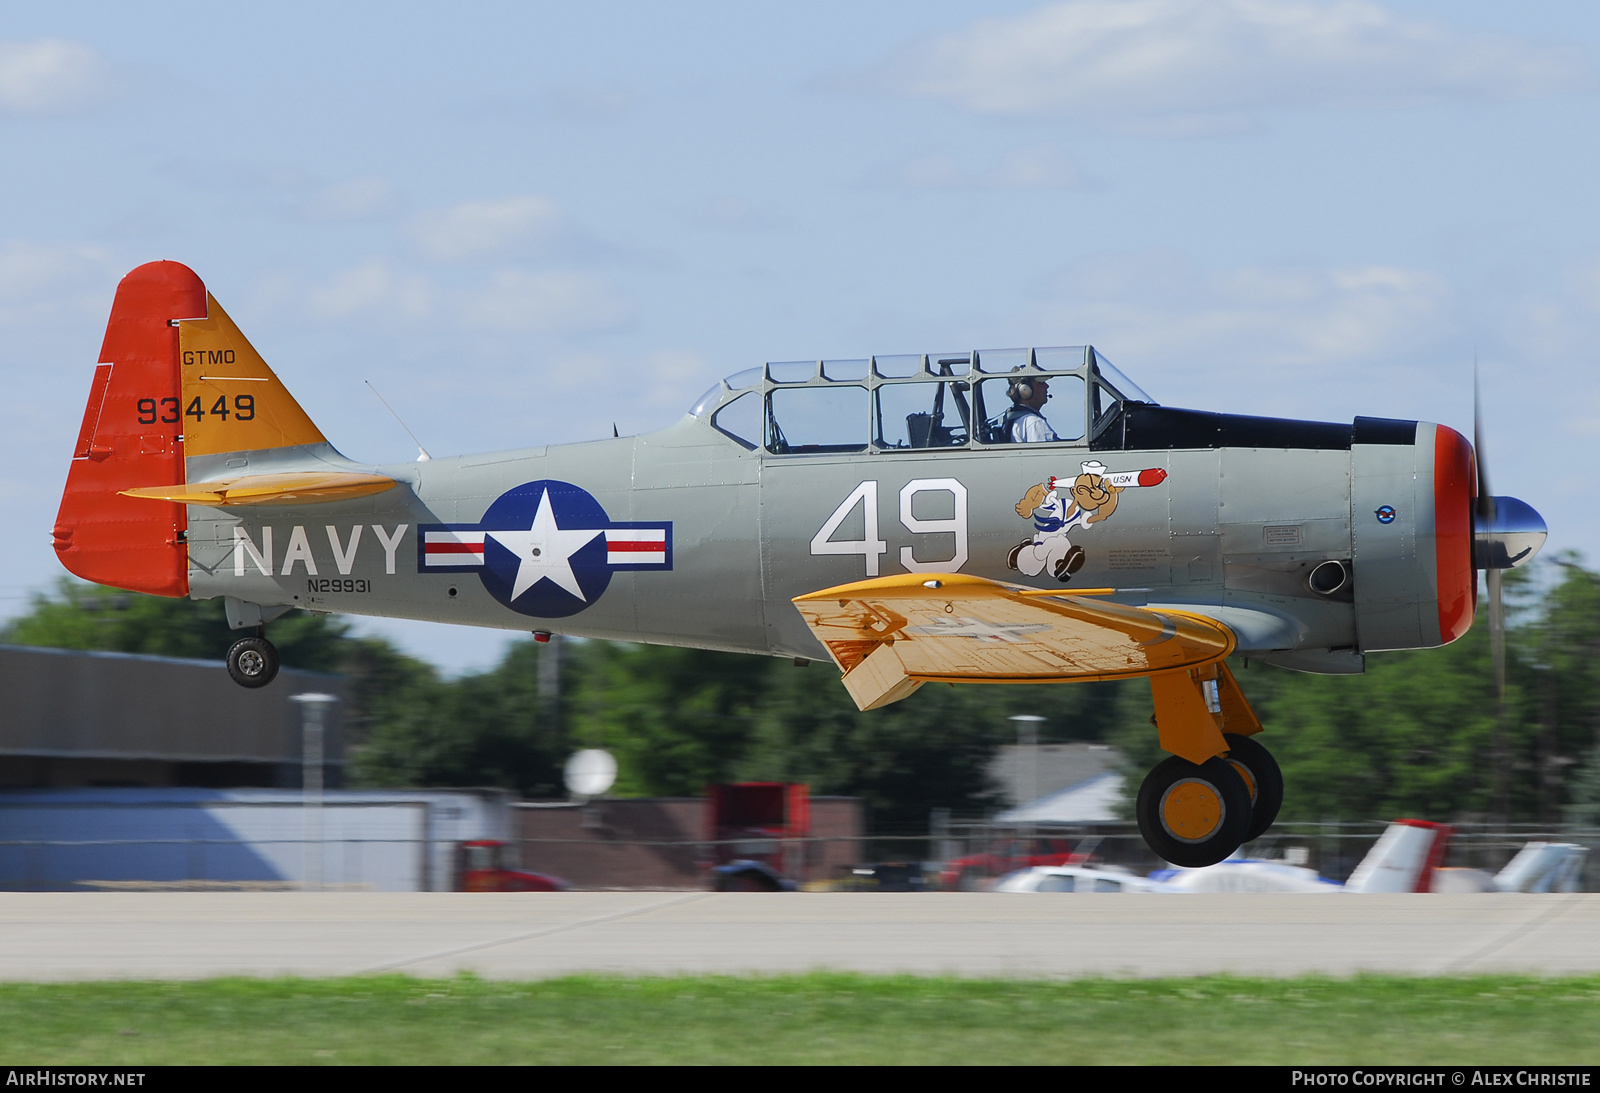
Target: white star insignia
[[544, 551]]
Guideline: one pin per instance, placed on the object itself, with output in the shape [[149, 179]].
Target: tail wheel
[[1194, 815], [1261, 775], [253, 662]]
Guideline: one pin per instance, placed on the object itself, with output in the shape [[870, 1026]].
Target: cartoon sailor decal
[[545, 548], [1091, 499]]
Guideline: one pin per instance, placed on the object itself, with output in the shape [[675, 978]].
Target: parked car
[[490, 865], [748, 875], [972, 873], [1075, 878]]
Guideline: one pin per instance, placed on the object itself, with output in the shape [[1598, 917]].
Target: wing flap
[[891, 634], [289, 488]]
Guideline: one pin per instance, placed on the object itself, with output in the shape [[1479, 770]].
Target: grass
[[816, 1018]]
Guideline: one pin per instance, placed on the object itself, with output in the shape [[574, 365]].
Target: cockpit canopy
[[914, 401]]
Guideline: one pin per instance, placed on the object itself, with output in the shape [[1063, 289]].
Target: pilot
[[1023, 423]]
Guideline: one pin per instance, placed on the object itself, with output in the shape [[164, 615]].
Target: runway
[[126, 935]]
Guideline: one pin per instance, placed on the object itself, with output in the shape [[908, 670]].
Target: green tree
[[1410, 737], [486, 729], [679, 719], [930, 750], [1563, 651], [676, 719], [76, 615]]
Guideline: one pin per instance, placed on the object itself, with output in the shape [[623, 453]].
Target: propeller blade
[[1484, 508], [1497, 634], [1506, 531]]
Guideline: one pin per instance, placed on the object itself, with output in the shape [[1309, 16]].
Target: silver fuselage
[[1232, 531]]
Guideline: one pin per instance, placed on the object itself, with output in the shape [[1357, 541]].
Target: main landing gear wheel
[[1262, 777], [253, 662], [1193, 815]]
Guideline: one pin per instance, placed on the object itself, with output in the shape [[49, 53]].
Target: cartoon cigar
[[1152, 476]]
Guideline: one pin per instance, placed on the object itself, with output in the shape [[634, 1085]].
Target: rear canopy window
[[817, 419]]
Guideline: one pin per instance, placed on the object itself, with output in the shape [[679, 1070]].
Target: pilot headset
[[1021, 390]]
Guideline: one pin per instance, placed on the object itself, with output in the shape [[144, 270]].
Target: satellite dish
[[590, 772]]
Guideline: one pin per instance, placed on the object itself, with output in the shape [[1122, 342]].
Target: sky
[[526, 223]]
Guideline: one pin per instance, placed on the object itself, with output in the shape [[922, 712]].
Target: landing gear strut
[[1218, 790], [253, 661]]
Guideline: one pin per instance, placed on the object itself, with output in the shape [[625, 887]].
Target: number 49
[[870, 547]]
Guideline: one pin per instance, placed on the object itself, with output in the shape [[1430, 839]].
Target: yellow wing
[[286, 488], [893, 634]]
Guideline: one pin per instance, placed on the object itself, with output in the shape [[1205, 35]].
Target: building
[[1058, 783], [99, 838], [660, 842], [128, 771], [74, 718]]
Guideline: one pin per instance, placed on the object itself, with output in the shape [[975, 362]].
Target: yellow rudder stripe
[[232, 402]]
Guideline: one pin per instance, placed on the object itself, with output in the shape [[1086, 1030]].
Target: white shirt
[[1031, 428]]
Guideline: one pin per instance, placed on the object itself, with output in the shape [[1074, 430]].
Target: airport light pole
[[313, 709], [1028, 755]]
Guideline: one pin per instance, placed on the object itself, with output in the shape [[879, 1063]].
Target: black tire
[[747, 880], [1192, 815], [1262, 778], [252, 662]]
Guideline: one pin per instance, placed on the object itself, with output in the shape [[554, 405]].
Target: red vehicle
[[490, 865], [759, 822], [968, 874]]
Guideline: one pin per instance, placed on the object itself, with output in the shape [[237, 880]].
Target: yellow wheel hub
[[1191, 810], [1249, 779]]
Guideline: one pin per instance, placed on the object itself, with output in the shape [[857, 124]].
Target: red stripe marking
[[616, 545], [453, 548], [1453, 488]]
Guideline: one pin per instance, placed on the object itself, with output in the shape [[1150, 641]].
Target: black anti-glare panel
[[1141, 427], [1384, 430]]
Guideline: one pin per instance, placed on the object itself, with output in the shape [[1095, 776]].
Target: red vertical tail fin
[[132, 436]]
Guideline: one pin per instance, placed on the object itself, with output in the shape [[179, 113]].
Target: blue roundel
[[545, 549], [1385, 514]]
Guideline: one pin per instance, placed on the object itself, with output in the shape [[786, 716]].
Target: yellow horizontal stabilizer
[[890, 635], [289, 488]]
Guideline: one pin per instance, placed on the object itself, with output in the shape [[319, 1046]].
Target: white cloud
[[509, 299], [373, 287], [1552, 331], [660, 383], [474, 229], [739, 214], [549, 302], [1555, 319], [597, 102], [1041, 167], [40, 282], [1285, 315], [673, 376], [52, 76], [353, 199], [1185, 60], [593, 103], [1257, 339]]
